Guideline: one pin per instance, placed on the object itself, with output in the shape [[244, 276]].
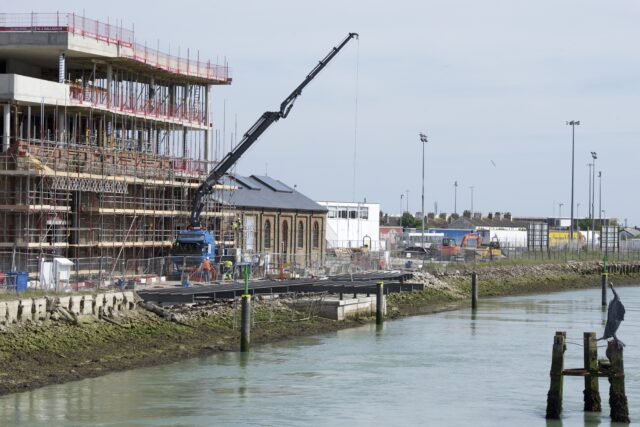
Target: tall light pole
[[589, 181], [424, 140], [578, 223], [455, 197], [606, 246], [472, 187], [401, 197], [560, 205], [573, 124], [407, 192], [594, 156], [600, 198], [589, 205]]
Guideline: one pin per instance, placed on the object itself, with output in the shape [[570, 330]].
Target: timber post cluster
[[611, 368]]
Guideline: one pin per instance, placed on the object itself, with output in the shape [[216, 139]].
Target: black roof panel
[[274, 184]]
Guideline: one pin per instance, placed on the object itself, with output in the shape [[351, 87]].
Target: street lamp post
[[594, 155], [606, 243], [407, 192], [424, 140], [573, 124], [455, 197], [401, 197], [589, 205], [600, 198], [560, 205], [578, 223]]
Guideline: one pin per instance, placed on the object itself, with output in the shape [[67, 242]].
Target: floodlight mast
[[573, 124]]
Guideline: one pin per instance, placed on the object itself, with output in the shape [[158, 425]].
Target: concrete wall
[[40, 309], [14, 87], [335, 309]]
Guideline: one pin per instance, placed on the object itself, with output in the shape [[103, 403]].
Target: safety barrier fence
[[98, 271], [112, 34], [130, 103], [626, 252]]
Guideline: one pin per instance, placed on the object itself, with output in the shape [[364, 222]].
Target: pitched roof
[[258, 191]]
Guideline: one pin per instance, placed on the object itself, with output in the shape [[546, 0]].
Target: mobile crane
[[197, 243]]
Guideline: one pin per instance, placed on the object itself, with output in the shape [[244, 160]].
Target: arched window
[[285, 237], [300, 235], [267, 234], [315, 238]]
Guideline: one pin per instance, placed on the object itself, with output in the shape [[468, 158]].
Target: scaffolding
[[107, 173]]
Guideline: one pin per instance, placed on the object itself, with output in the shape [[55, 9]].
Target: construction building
[[104, 141]]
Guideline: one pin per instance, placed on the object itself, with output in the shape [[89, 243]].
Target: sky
[[491, 83]]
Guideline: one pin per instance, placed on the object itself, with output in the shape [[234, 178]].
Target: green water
[[449, 369]]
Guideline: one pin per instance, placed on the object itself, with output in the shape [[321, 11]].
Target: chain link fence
[[48, 272]]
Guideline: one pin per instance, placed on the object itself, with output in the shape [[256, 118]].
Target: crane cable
[[355, 127]]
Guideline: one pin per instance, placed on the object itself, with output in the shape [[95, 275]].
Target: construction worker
[[206, 269], [228, 270]]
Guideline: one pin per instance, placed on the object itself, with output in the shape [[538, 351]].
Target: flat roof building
[[353, 225]]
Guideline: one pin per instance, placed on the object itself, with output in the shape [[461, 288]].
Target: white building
[[353, 225]]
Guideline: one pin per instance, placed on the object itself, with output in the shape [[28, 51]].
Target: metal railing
[[112, 34], [68, 22], [129, 103]]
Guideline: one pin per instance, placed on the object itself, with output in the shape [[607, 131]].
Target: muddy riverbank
[[55, 351]]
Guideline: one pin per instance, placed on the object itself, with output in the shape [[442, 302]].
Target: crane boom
[[252, 135]]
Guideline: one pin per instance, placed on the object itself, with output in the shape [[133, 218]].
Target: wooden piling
[[554, 396], [603, 284], [380, 303], [245, 323], [592, 402], [617, 395], [474, 290]]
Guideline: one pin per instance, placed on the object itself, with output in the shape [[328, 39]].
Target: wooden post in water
[[379, 303], [474, 290], [592, 401], [617, 396], [245, 322], [603, 283], [554, 397]]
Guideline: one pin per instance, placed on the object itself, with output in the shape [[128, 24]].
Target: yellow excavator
[[472, 248]]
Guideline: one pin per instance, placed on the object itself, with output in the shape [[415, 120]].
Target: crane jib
[[252, 135]]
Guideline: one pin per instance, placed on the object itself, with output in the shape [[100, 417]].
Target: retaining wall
[[40, 309]]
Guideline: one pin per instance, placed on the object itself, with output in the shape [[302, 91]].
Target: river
[[454, 368]]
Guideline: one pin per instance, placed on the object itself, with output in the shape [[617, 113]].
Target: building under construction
[[104, 141]]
